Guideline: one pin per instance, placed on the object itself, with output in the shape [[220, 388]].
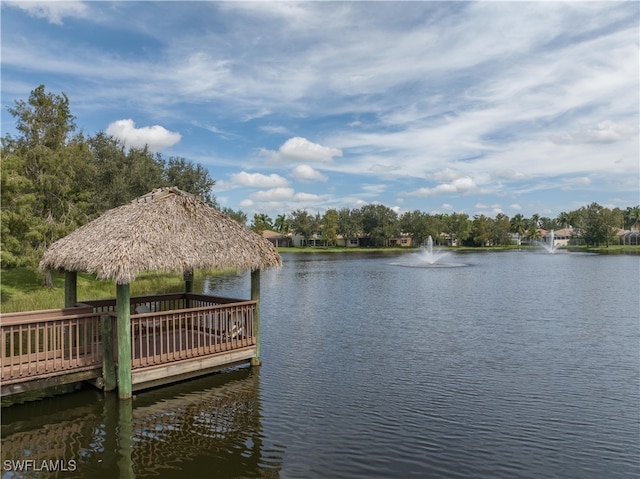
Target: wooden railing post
[[108, 365], [188, 286], [255, 296], [123, 328]]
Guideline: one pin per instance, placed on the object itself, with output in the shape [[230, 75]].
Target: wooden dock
[[173, 337]]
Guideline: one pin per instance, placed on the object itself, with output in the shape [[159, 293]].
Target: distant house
[[561, 237], [278, 239], [403, 241], [628, 238]]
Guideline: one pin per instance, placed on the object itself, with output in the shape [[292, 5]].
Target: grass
[[21, 289]]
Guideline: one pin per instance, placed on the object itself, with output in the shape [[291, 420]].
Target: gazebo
[[167, 230]]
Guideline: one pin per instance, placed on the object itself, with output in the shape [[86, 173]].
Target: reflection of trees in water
[[211, 431]]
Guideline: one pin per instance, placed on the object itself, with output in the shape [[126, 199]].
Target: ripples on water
[[518, 365]]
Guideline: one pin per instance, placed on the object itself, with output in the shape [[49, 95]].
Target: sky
[[442, 107]]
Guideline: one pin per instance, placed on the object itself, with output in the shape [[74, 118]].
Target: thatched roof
[[166, 230]]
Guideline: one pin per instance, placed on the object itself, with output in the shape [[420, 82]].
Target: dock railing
[[42, 344], [164, 329]]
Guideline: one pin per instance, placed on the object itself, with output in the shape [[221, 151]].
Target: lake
[[515, 364]]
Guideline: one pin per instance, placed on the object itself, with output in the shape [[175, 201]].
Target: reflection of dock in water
[[206, 427]]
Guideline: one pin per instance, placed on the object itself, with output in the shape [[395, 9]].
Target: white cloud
[[464, 185], [307, 197], [156, 137], [274, 194], [301, 149], [258, 180], [307, 173], [276, 129], [50, 10], [605, 132]]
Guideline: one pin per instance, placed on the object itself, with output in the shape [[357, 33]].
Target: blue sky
[[443, 107]]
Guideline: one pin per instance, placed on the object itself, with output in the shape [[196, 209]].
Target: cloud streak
[[474, 102]]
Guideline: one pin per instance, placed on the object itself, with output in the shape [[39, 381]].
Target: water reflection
[[201, 427]]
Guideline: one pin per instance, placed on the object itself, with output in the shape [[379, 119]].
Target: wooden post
[[188, 286], [108, 365], [123, 329], [255, 296], [70, 289]]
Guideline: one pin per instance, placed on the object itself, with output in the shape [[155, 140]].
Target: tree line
[[594, 225], [55, 179]]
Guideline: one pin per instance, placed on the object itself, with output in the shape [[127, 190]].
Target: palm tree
[[518, 225], [281, 224], [632, 216]]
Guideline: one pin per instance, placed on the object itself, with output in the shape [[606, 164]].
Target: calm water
[[513, 364]]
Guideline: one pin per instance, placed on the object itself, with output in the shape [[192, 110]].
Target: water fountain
[[429, 257], [550, 245]]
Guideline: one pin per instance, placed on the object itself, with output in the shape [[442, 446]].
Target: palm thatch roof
[[166, 230]]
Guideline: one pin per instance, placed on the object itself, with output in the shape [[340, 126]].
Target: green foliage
[[190, 177], [330, 227], [260, 223], [598, 224], [380, 223], [239, 215], [302, 223], [348, 223], [44, 120], [281, 224], [458, 226], [54, 181]]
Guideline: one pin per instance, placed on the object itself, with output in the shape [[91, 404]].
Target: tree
[[631, 217], [51, 167], [458, 226], [16, 217], [565, 220], [481, 230], [281, 224], [190, 177], [593, 225], [380, 223], [54, 180], [500, 228], [239, 215], [330, 227], [303, 224], [348, 224], [260, 223], [44, 120], [124, 174], [518, 225], [418, 225]]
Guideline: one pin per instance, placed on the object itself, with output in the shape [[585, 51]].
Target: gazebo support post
[[255, 296], [123, 331], [70, 289], [188, 286]]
